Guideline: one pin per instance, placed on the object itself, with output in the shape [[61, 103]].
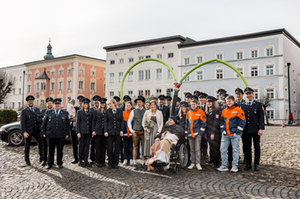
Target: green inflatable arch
[[213, 60], [135, 64]]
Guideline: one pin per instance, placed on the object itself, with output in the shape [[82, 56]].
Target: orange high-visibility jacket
[[126, 117], [195, 123], [232, 120]]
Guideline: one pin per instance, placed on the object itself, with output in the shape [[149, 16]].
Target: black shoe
[[110, 167], [244, 161], [60, 166], [116, 167], [43, 163], [214, 166], [82, 164], [247, 167], [48, 166], [75, 162], [92, 162], [28, 163], [99, 165], [256, 167], [87, 164], [104, 164]]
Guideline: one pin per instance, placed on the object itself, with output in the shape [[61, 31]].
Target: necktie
[[56, 113], [32, 109]]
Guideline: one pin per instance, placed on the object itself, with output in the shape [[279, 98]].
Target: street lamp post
[[289, 86]]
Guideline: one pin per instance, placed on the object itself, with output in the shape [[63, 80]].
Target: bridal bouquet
[[149, 125]]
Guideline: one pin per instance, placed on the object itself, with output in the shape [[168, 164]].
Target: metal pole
[[23, 89], [289, 86]]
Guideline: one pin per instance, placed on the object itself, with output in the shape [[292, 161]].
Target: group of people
[[119, 132]]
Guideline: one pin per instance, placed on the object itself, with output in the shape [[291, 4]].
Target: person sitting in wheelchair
[[161, 149]]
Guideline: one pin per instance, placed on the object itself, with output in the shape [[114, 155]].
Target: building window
[[29, 88], [159, 56], [20, 78], [104, 87], [219, 73], [141, 57], [120, 76], [270, 114], [141, 75], [295, 96], [111, 77], [130, 76], [112, 62], [52, 86], [81, 71], [170, 74], [121, 61], [29, 75], [81, 85], [130, 93], [43, 86], [37, 74], [69, 85], [70, 71], [92, 86], [199, 59], [147, 74], [220, 56], [186, 61], [20, 91], [254, 53], [141, 92], [170, 55], [148, 56], [187, 78], [254, 71], [12, 105], [240, 70], [270, 93], [269, 70], [158, 91], [61, 85], [93, 73], [147, 93], [199, 75], [269, 51], [239, 55], [169, 92], [158, 73], [38, 86], [111, 94], [52, 73], [19, 104], [61, 72], [130, 59], [13, 91], [255, 93]]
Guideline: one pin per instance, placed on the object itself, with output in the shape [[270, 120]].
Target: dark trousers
[[248, 147], [45, 148], [214, 148], [203, 146], [84, 146], [122, 151], [244, 145], [113, 143], [100, 144], [59, 144], [93, 150], [27, 146], [128, 148], [74, 140]]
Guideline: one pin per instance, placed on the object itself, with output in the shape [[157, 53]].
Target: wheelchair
[[178, 154]]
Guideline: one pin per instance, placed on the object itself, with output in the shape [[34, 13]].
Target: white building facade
[[16, 99], [261, 57], [150, 78]]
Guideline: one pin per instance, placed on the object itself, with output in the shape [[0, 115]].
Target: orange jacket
[[232, 120], [126, 117], [195, 123]]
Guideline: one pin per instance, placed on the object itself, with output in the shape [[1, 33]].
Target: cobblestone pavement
[[279, 176]]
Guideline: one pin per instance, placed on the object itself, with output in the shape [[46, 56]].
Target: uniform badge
[[243, 114], [203, 117], [217, 116], [63, 118]]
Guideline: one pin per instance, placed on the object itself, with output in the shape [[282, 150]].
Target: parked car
[[12, 134]]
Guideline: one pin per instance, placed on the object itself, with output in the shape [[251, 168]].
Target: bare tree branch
[[6, 84]]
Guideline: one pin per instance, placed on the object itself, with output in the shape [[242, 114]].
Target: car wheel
[[16, 138]]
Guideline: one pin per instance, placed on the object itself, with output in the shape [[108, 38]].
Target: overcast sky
[[84, 27]]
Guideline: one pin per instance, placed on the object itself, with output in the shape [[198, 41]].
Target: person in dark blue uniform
[[98, 132], [126, 98], [30, 127], [163, 108], [49, 102], [96, 100], [188, 98], [84, 132], [169, 101], [202, 104], [113, 128], [56, 128], [177, 106], [239, 94], [118, 100], [79, 98], [221, 92], [202, 98], [255, 125]]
